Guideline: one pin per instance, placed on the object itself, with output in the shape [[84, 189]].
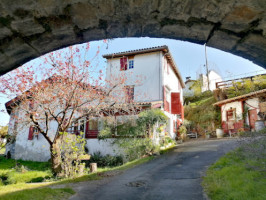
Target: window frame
[[131, 63]]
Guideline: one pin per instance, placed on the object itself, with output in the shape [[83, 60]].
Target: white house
[[152, 80], [243, 110], [214, 77]]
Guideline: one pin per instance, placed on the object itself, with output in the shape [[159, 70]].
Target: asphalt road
[[175, 175]]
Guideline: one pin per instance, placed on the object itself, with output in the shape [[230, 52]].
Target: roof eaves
[[240, 97], [137, 51]]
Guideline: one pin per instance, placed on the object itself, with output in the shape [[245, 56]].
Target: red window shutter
[[30, 136], [182, 112], [176, 106], [123, 63]]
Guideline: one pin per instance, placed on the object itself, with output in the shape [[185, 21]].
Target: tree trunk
[[56, 156]]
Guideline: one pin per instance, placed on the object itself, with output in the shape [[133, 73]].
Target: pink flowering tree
[[64, 88]]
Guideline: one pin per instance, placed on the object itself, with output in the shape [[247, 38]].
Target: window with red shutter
[[92, 128], [123, 63], [31, 130], [176, 106], [129, 94]]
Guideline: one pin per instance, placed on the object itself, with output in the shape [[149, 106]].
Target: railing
[[229, 83]]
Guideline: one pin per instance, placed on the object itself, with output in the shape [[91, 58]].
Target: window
[[92, 128], [77, 127], [33, 131], [131, 64], [231, 115], [129, 94], [93, 124], [123, 64]]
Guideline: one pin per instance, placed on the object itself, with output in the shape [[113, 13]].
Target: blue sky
[[189, 58]]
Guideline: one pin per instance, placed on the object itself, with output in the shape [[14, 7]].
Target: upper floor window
[[131, 64], [123, 63], [33, 131], [126, 63], [129, 94]]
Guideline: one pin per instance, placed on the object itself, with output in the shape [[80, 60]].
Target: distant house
[[161, 86], [242, 110], [214, 77]]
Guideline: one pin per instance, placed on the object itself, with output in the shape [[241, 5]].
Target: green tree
[[3, 135]]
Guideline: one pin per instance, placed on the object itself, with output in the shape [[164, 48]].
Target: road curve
[[175, 175]]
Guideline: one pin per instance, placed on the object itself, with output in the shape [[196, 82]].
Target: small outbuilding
[[243, 112]]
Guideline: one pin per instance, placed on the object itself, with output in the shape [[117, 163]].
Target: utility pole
[[207, 68]]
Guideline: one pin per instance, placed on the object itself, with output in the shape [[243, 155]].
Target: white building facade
[[151, 79], [152, 76]]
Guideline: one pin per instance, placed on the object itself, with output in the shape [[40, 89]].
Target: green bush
[[104, 161], [142, 126], [137, 147], [202, 115]]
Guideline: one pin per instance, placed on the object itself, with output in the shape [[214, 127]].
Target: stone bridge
[[31, 28]]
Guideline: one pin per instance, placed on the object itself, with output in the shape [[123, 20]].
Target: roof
[[259, 92], [163, 48]]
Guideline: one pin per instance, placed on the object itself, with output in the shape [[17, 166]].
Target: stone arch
[[30, 28]]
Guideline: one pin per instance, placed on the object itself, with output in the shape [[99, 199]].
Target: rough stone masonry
[[31, 28]]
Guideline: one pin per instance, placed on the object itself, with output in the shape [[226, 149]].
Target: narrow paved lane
[[175, 175]]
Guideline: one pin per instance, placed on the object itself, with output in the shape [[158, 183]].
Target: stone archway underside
[[30, 28]]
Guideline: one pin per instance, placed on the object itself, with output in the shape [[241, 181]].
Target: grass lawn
[[239, 175], [24, 183], [2, 151]]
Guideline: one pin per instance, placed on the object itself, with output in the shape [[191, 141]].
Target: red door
[[252, 114]]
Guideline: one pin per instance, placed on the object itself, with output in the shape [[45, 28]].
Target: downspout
[[160, 77]]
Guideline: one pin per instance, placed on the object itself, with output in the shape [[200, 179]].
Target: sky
[[189, 57]]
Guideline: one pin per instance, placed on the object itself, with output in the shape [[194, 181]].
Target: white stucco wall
[[251, 104], [36, 149], [214, 77], [145, 76], [172, 84], [104, 146], [237, 105]]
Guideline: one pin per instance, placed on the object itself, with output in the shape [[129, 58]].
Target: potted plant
[[207, 135]]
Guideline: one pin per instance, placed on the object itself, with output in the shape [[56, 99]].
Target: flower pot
[[219, 133], [207, 136]]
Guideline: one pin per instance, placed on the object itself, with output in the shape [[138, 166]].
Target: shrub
[[72, 150], [134, 138], [104, 161], [137, 147]]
